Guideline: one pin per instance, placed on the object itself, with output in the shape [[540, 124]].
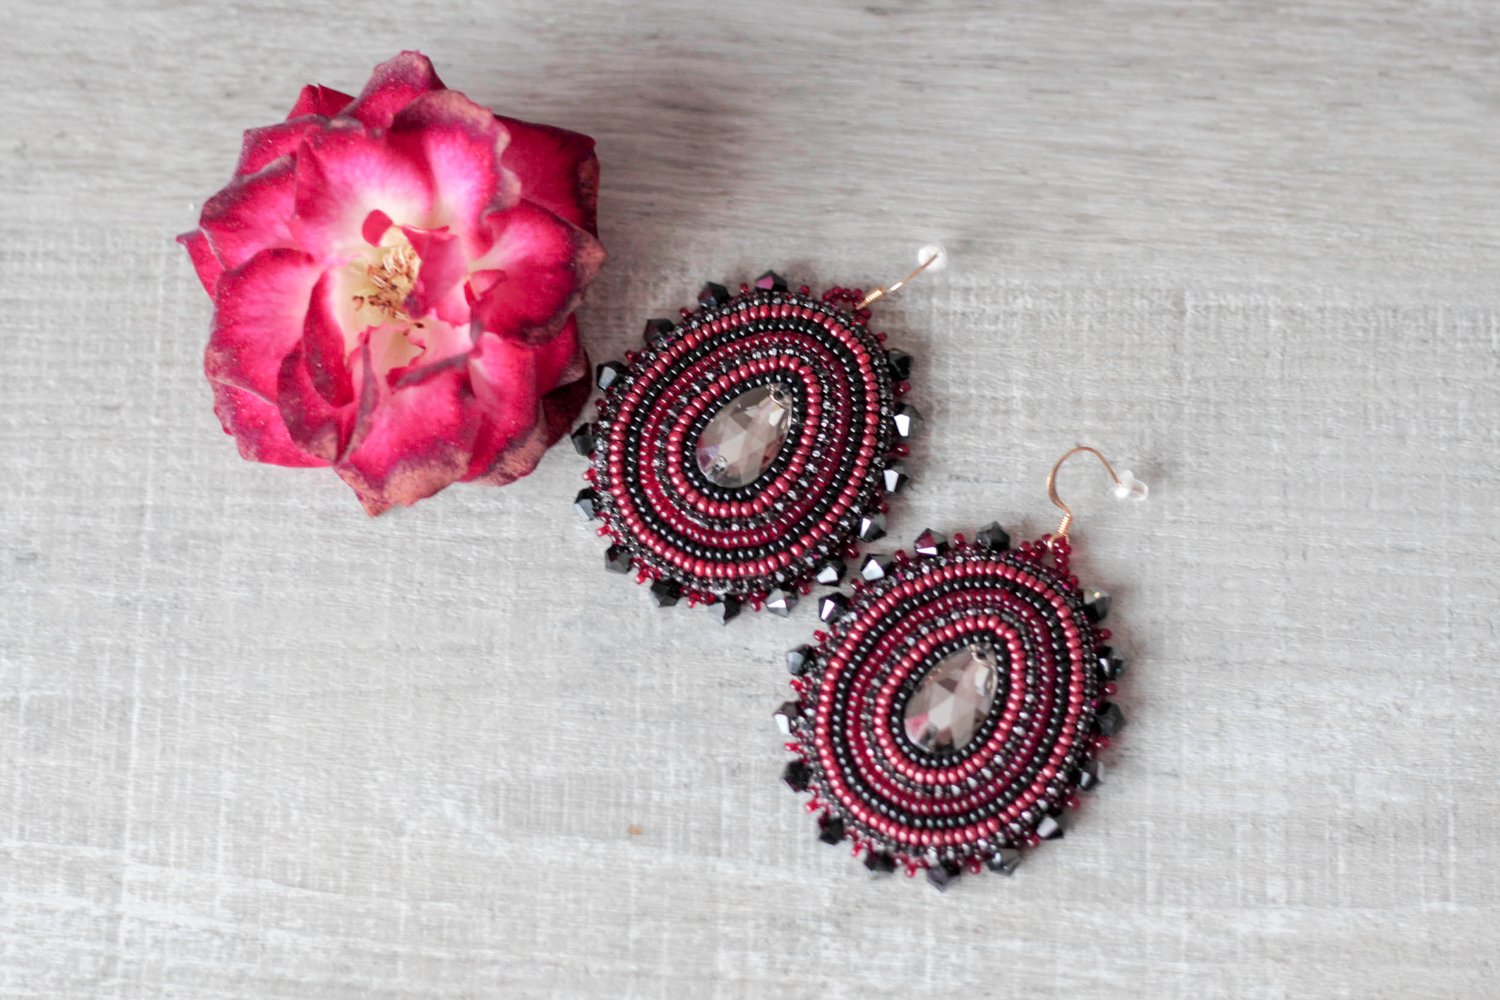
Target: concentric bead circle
[[973, 804], [680, 528]]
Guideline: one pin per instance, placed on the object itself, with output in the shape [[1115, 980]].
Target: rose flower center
[[381, 285], [378, 283]]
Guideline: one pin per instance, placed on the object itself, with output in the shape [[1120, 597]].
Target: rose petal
[[458, 142], [561, 406], [440, 279], [319, 100], [503, 376], [394, 84], [205, 260], [312, 423], [417, 441], [259, 314], [257, 428], [325, 344], [534, 274], [315, 391], [262, 146], [343, 175], [250, 214], [372, 506], [371, 392], [506, 375], [562, 359], [375, 226], [519, 457], [556, 168], [563, 364]]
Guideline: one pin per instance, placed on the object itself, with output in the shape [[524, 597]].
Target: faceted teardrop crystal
[[953, 700], [745, 436]]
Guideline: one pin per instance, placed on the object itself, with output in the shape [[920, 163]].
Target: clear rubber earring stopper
[[1129, 488]]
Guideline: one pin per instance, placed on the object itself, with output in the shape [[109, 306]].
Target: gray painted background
[[255, 745]]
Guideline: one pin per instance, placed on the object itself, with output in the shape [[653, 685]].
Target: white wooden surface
[[254, 745]]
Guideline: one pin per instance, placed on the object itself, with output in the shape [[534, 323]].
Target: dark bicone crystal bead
[[992, 537], [900, 363], [894, 477], [617, 559], [941, 876], [879, 863], [876, 567], [583, 439], [771, 282], [799, 660], [872, 527], [1096, 605], [831, 572], [786, 715], [1111, 719], [1089, 776], [931, 543], [830, 829], [1004, 861], [908, 420], [666, 593], [832, 607], [586, 504], [658, 332], [781, 602], [712, 294], [727, 609], [1111, 664], [797, 775], [609, 373], [1049, 828]]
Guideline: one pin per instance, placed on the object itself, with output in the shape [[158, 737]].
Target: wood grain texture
[[255, 745]]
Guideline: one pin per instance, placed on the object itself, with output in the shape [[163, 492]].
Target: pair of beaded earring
[[958, 700]]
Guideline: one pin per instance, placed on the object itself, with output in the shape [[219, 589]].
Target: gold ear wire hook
[[1066, 523], [880, 293]]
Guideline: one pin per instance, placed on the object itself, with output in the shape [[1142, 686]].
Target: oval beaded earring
[[958, 701], [747, 448]]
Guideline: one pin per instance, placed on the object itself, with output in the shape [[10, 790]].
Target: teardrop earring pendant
[[745, 450], [958, 702]]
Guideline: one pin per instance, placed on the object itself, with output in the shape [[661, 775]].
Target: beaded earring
[[743, 453], [958, 701]]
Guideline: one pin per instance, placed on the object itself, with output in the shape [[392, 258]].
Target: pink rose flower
[[394, 278]]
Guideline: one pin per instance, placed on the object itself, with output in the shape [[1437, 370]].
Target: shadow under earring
[[746, 449], [958, 702]]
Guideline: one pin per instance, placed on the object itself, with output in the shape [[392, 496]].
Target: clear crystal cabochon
[[953, 700], [745, 436]]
